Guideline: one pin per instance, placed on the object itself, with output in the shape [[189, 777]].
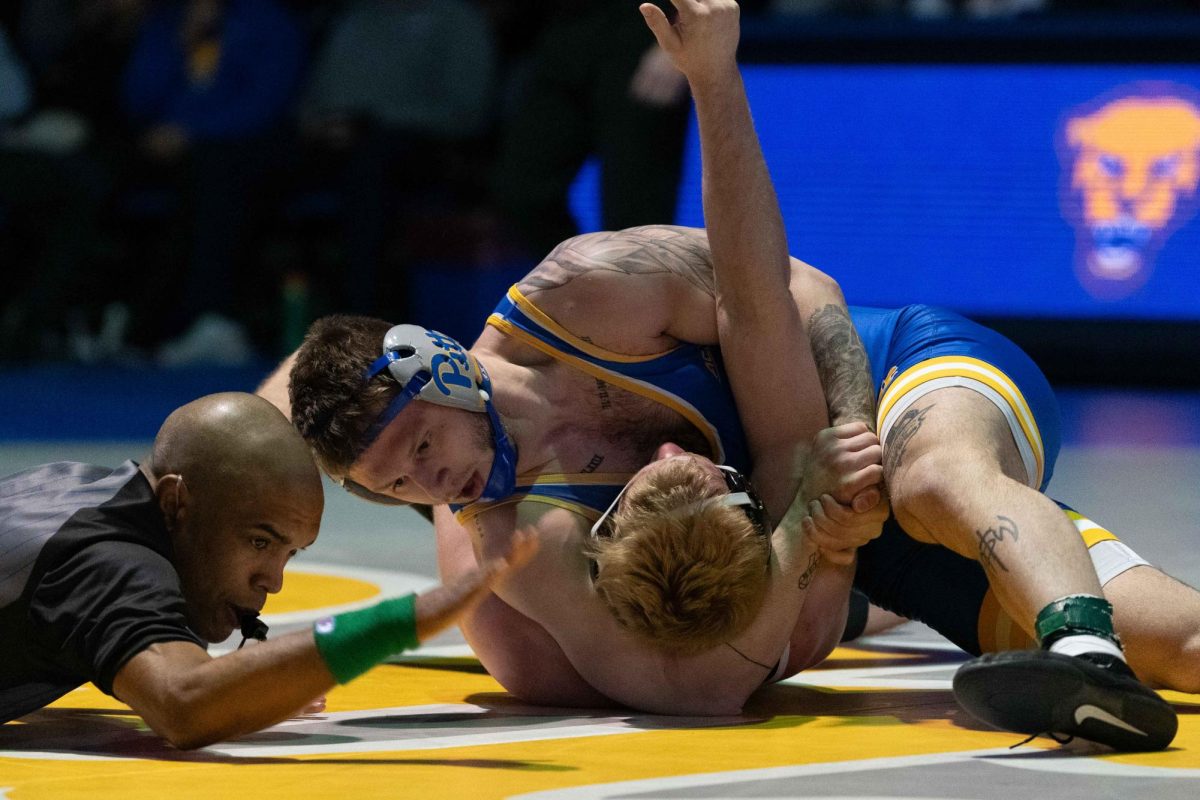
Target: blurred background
[[186, 184]]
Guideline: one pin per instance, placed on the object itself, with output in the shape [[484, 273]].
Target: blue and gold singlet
[[912, 350], [687, 379]]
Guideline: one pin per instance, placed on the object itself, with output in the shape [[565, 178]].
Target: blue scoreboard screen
[[1057, 190]]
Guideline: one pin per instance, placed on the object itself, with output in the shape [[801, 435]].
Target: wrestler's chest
[[608, 428]]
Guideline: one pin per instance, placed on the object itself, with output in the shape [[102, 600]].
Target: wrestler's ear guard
[[429, 366], [433, 367]]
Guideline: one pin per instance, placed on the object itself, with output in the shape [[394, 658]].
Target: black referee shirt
[[86, 580]]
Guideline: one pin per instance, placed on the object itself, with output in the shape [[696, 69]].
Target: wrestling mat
[[877, 720]]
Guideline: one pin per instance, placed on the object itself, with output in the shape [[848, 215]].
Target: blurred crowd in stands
[[188, 181]]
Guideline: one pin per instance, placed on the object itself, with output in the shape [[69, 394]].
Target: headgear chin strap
[[433, 367]]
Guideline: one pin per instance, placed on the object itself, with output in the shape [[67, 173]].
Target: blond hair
[[679, 567]]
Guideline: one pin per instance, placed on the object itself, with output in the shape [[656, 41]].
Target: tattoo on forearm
[[843, 366], [902, 432], [596, 461], [806, 577], [649, 250], [991, 538]]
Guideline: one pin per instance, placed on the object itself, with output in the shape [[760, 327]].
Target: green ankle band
[[353, 642], [1075, 614]]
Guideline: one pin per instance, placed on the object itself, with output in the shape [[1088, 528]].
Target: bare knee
[[1171, 665], [1185, 668], [926, 494], [1158, 618]]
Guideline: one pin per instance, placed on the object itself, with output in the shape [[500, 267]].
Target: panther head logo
[[1131, 167]]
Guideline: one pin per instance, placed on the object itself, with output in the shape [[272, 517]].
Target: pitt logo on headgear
[[1131, 164]]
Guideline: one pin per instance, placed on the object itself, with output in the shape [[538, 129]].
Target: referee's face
[[235, 549]]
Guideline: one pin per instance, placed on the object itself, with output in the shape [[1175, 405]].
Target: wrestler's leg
[[1158, 618], [881, 621], [956, 479], [1080, 685], [865, 619]]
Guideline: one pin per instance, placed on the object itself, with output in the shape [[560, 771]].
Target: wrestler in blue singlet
[[912, 351], [688, 379]]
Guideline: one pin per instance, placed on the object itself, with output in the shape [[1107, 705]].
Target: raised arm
[[766, 314], [763, 341], [768, 307]]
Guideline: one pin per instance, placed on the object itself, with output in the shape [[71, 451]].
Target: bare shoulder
[[648, 250], [587, 282]]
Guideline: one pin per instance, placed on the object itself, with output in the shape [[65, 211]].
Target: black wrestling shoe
[[1094, 696]]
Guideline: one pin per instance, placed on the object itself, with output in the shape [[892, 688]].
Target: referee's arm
[[192, 699]]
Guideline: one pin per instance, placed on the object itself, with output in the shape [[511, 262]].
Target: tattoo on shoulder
[[648, 250], [843, 366], [990, 540], [898, 438], [806, 577], [593, 464]]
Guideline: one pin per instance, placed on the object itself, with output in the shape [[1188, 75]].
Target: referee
[[122, 577]]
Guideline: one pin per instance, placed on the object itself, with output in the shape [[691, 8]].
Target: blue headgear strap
[[502, 479], [399, 402]]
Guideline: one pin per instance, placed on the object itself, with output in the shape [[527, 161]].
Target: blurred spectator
[[405, 65], [208, 86], [16, 91], [400, 91], [597, 84], [56, 175]]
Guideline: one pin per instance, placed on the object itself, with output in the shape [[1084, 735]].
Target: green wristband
[[353, 642], [1075, 613]]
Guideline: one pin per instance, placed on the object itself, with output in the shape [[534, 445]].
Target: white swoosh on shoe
[[1086, 712]]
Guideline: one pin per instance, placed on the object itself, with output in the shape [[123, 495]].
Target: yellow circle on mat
[[303, 591]]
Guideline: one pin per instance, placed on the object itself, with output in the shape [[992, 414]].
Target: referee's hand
[[440, 607]]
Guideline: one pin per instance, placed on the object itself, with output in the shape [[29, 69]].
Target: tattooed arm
[[764, 323], [843, 365], [658, 281]]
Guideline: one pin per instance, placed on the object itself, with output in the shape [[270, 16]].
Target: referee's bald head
[[234, 442]]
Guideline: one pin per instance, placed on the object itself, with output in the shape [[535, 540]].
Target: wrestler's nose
[[666, 450], [431, 479]]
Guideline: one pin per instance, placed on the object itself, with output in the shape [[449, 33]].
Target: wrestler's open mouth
[[471, 489]]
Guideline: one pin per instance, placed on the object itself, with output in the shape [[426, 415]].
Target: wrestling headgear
[[433, 367]]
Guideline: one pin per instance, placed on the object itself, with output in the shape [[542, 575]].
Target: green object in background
[[296, 311]]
